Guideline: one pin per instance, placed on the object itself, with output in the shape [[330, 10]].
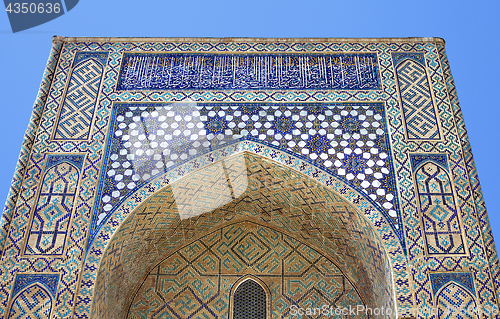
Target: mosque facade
[[247, 178]]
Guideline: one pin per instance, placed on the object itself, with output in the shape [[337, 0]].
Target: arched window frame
[[260, 283]]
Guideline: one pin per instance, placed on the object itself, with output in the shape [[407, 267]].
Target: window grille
[[249, 301]]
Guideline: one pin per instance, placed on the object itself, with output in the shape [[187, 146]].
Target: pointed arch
[[33, 301], [249, 298], [131, 228], [416, 98], [455, 301]]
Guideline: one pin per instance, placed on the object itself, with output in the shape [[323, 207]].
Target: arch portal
[[245, 189]]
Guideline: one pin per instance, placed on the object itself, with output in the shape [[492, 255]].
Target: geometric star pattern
[[350, 139]]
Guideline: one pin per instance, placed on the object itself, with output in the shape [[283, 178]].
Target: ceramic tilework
[[51, 218], [454, 302], [349, 139], [443, 233], [78, 108], [439, 159], [33, 302], [49, 281], [242, 186], [465, 279], [197, 280], [411, 281], [146, 71], [33, 295], [416, 96], [100, 57], [249, 300]]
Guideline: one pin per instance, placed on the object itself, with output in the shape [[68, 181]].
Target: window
[[249, 301]]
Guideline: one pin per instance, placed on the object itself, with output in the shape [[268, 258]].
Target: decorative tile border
[[74, 290], [50, 281]]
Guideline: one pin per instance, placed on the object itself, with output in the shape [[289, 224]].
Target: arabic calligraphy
[[176, 71]]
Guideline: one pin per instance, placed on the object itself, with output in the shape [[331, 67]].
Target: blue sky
[[469, 28]]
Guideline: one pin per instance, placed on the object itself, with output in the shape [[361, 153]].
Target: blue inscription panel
[[176, 71]]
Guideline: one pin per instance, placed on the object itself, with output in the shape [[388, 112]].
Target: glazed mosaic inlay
[[350, 139], [353, 151], [146, 71]]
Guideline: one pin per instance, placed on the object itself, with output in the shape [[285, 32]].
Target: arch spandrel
[[352, 143], [270, 193]]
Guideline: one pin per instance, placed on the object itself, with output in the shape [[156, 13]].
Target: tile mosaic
[[50, 221], [33, 302], [297, 274], [275, 115], [437, 207], [240, 187], [77, 112], [174, 71], [349, 139], [416, 97]]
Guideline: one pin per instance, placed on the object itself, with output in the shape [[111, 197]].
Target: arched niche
[[249, 292], [205, 277], [33, 301], [456, 301], [250, 187]]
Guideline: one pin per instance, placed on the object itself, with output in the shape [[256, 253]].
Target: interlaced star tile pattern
[[350, 139]]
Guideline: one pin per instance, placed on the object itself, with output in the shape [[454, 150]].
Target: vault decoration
[[303, 171]]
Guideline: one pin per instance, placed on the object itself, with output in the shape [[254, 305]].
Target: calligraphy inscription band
[[175, 71]]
